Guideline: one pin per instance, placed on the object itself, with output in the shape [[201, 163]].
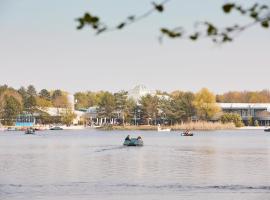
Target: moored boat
[[267, 130], [30, 131], [159, 129], [56, 128]]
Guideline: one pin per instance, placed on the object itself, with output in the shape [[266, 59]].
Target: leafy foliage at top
[[258, 13]]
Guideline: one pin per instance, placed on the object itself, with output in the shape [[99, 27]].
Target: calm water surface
[[90, 164]]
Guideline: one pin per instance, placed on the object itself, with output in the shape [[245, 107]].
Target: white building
[[258, 111], [138, 92]]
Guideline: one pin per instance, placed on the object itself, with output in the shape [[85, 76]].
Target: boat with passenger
[[187, 133], [133, 141]]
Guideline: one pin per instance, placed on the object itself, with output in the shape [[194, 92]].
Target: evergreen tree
[[11, 109], [45, 94], [31, 90]]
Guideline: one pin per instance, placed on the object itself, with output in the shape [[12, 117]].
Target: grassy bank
[[184, 126]]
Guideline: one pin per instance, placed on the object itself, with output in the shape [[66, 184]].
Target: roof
[[139, 91], [245, 106]]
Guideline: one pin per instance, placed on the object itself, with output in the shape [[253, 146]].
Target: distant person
[[139, 138], [127, 138]]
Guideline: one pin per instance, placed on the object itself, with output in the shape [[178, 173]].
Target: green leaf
[[253, 8], [88, 18], [131, 18], [164, 30], [158, 7], [264, 7], [265, 24], [194, 36], [99, 31], [120, 26], [254, 15], [171, 34], [228, 7], [226, 38], [211, 30], [81, 23]]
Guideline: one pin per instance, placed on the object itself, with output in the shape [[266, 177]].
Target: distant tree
[[3, 88], [67, 117], [106, 105], [45, 94], [205, 104], [250, 121], [124, 106], [43, 103], [85, 99], [256, 123], [11, 109], [8, 92], [30, 104], [232, 118], [245, 97], [168, 110], [31, 90], [149, 106], [61, 102], [183, 105], [56, 94], [128, 110], [120, 102]]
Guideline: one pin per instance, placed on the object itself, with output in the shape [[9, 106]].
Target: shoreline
[[142, 128]]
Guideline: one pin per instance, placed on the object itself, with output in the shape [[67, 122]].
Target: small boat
[[186, 134], [56, 128], [133, 142], [11, 129], [267, 130], [30, 131], [159, 129]]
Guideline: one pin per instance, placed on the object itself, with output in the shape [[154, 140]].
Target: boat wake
[[109, 148]]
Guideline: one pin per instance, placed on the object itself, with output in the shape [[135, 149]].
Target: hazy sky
[[39, 45]]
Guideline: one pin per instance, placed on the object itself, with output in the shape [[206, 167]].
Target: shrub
[[232, 117]]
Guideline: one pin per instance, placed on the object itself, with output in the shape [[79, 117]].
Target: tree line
[[27, 100], [163, 107]]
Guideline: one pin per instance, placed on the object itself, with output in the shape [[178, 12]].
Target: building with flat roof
[[256, 111]]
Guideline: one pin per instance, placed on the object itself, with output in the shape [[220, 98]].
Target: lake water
[[91, 164]]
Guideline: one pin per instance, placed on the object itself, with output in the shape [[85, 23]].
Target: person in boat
[[139, 138], [127, 138], [187, 132]]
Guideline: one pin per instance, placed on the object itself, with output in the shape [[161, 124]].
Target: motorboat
[[30, 131], [56, 128], [159, 129], [133, 142]]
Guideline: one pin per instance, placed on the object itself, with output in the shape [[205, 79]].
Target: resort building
[[138, 92], [259, 112]]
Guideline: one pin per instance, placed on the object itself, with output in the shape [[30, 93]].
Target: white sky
[[40, 45]]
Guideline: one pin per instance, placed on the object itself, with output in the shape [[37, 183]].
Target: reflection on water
[[91, 164]]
